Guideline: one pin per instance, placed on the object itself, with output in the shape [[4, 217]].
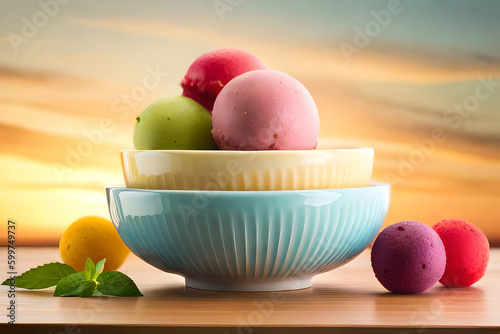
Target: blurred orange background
[[417, 81]]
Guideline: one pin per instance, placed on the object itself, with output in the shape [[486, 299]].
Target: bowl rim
[[367, 150], [212, 193]]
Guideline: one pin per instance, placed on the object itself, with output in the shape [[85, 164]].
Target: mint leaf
[[43, 276], [99, 267], [75, 285], [89, 270], [115, 283], [88, 288], [98, 294]]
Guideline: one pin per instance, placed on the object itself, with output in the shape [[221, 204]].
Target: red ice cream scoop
[[467, 252], [210, 72]]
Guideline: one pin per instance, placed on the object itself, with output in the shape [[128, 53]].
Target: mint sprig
[[69, 283]]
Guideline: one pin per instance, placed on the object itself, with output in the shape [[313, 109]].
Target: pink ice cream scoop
[[213, 70], [265, 110]]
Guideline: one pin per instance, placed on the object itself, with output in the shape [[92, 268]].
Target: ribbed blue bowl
[[248, 241]]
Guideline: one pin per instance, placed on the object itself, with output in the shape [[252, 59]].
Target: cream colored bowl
[[247, 170]]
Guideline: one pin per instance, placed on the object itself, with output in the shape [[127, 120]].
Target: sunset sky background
[[69, 74]]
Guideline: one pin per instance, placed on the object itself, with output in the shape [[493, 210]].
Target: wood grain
[[348, 299]]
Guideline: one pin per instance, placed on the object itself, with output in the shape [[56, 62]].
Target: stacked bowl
[[248, 220]]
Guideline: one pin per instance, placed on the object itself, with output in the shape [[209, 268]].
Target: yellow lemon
[[92, 237]]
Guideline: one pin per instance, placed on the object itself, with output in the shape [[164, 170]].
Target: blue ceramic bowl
[[248, 241]]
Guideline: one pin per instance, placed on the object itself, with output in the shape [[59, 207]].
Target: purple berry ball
[[408, 257]]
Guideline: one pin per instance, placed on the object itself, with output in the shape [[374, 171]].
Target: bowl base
[[271, 284]]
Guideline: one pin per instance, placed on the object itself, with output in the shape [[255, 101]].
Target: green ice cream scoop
[[174, 123]]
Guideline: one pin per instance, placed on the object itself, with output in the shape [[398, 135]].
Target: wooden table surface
[[346, 300]]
